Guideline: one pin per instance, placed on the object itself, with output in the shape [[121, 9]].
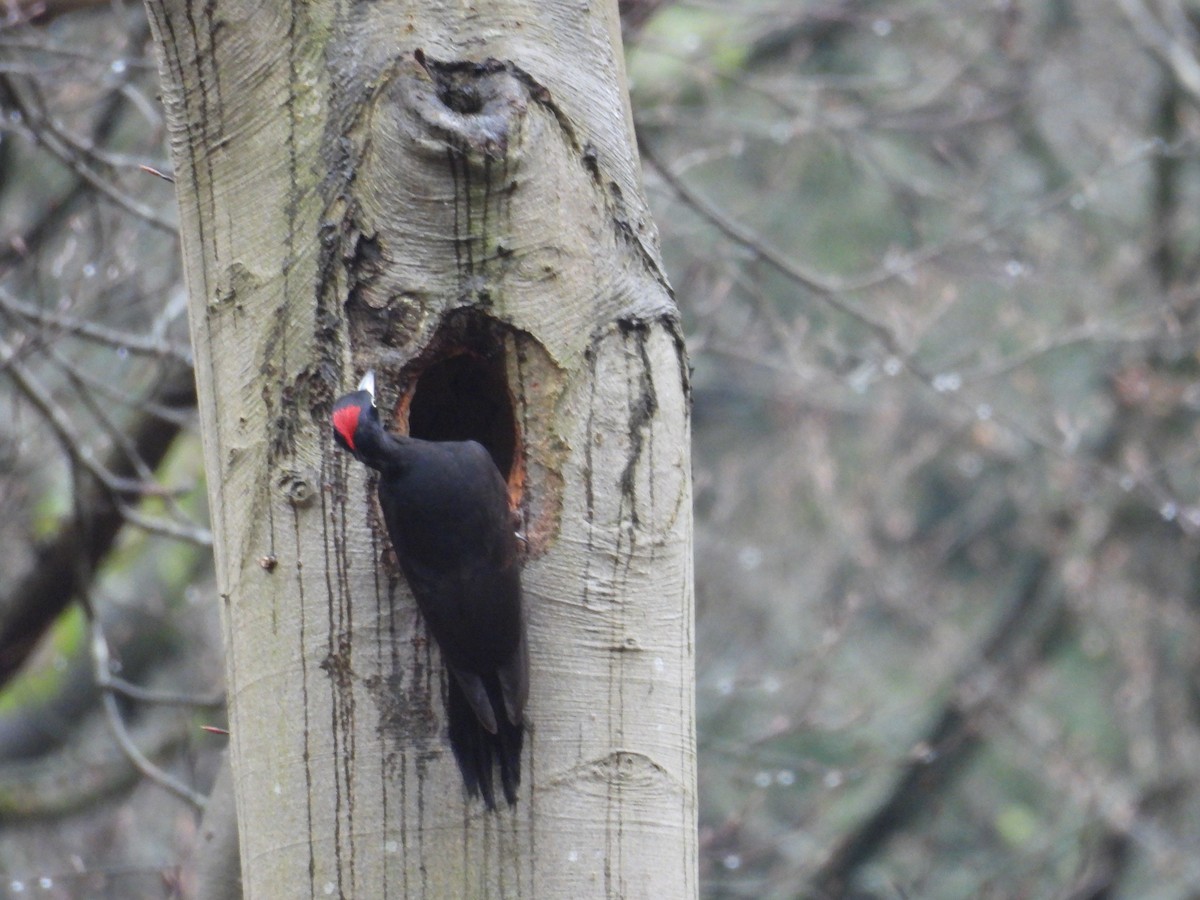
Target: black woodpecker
[[446, 508]]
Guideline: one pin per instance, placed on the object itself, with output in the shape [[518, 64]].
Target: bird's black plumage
[[446, 508]]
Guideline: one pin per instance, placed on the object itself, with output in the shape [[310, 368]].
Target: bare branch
[[1022, 635], [1173, 48], [60, 422], [44, 590], [44, 131], [164, 698]]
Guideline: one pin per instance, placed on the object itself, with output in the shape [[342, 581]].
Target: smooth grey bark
[[437, 191], [213, 870]]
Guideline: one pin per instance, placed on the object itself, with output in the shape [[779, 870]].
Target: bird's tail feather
[[478, 751]]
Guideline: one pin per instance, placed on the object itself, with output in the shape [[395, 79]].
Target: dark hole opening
[[461, 96], [465, 397]]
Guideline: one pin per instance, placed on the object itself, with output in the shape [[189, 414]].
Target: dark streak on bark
[[403, 767], [643, 405], [196, 142], [383, 613], [338, 665], [452, 165], [529, 857], [609, 191], [213, 28], [346, 687], [283, 428], [515, 350], [466, 238], [342, 249], [589, 471], [611, 790], [348, 256], [307, 753], [422, 761], [483, 217], [674, 328], [329, 666]]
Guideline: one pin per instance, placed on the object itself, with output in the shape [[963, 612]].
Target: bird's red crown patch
[[345, 422]]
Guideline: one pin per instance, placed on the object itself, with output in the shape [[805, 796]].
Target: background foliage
[[938, 264]]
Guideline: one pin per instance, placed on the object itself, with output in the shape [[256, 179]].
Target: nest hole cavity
[[464, 396]]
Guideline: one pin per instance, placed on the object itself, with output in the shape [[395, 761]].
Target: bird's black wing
[[453, 536]]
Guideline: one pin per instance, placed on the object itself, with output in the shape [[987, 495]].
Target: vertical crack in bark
[[643, 407], [385, 635], [303, 640], [338, 666], [198, 140], [347, 699], [589, 471]]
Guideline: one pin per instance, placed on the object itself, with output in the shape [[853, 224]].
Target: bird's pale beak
[[368, 384]]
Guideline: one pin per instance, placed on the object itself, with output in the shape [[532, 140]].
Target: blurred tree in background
[[940, 267]]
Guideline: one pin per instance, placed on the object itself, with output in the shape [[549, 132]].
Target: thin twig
[[44, 132], [100, 659], [60, 423], [180, 531], [1172, 49], [82, 379], [164, 698], [111, 337]]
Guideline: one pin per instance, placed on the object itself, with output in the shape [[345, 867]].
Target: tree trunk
[[449, 194]]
